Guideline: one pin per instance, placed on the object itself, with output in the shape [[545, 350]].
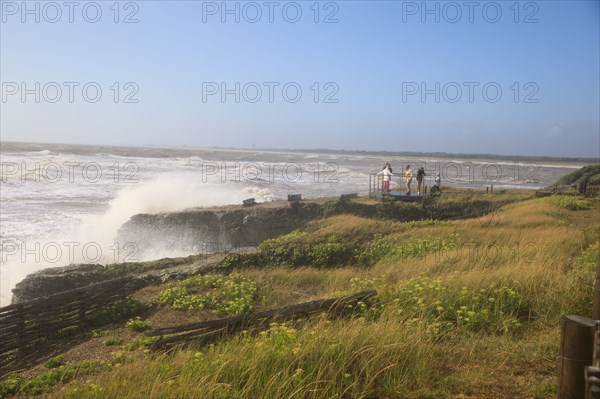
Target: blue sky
[[370, 68]]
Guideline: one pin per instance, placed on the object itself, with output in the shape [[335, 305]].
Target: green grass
[[468, 308]]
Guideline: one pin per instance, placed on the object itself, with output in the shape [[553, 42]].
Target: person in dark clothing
[[420, 176]]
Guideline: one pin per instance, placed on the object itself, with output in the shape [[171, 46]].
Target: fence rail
[[210, 331], [26, 327]]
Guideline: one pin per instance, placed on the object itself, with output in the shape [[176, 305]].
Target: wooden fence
[[579, 360], [592, 373], [210, 331], [26, 328], [592, 190]]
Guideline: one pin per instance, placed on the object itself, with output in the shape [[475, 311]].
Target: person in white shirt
[[387, 176], [436, 185]]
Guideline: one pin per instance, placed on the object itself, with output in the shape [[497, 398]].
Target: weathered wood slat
[[23, 323], [199, 337], [319, 304], [101, 286], [210, 330], [8, 346]]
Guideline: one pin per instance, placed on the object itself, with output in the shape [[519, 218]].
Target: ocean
[[63, 204]]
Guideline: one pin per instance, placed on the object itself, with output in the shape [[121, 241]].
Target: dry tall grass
[[477, 321]]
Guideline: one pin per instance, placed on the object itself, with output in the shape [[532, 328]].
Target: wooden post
[[21, 329], [596, 349], [596, 308], [487, 189], [491, 188], [82, 308], [576, 349]]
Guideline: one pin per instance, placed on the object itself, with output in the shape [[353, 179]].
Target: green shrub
[[332, 251], [67, 331], [55, 362], [113, 341], [331, 208], [570, 202], [426, 223], [233, 294], [347, 206], [10, 385], [243, 260], [137, 325], [44, 382], [298, 248], [138, 343], [97, 332], [495, 308], [294, 236], [115, 312], [583, 281], [588, 173], [14, 383], [117, 358], [588, 259], [400, 211], [385, 247]]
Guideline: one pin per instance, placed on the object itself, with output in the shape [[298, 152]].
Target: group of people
[[387, 174]]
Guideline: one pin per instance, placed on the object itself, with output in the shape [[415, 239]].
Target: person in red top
[[387, 176]]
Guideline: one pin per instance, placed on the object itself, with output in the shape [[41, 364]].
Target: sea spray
[[92, 240]]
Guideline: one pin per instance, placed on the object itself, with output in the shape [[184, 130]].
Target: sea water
[[63, 204]]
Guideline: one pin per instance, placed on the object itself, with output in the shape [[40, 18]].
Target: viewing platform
[[397, 189], [402, 196]]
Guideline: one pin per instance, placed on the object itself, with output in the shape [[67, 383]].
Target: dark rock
[[212, 230], [57, 279], [193, 231]]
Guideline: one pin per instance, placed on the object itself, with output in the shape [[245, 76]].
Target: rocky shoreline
[[209, 230], [210, 233]]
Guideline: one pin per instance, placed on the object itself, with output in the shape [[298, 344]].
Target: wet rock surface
[[209, 234], [214, 229]]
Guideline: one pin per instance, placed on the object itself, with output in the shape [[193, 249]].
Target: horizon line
[[328, 150]]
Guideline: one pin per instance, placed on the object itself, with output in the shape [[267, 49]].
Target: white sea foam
[[167, 192]]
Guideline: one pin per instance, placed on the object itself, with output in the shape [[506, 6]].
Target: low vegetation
[[589, 174], [465, 308], [233, 294]]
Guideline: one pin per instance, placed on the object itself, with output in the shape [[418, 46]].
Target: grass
[[467, 308]]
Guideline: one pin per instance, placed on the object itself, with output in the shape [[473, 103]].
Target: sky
[[506, 77]]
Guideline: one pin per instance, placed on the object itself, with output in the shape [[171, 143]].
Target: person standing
[[408, 176], [436, 186], [387, 164], [387, 176], [420, 175]]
